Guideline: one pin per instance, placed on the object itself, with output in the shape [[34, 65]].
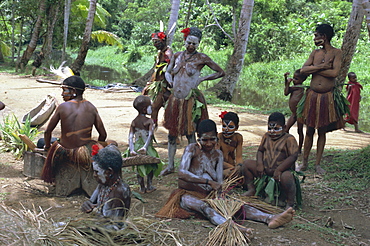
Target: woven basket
[[138, 160]]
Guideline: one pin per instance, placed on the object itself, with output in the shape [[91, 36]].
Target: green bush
[[10, 131]]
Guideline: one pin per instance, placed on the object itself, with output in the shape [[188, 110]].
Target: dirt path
[[20, 94]]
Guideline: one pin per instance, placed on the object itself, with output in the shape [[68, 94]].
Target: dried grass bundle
[[132, 231], [231, 180], [228, 233], [32, 227]]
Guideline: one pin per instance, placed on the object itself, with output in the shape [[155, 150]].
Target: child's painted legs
[[288, 187], [249, 167], [141, 183], [150, 187]]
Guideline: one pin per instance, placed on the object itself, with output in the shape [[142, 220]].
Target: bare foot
[[151, 189], [167, 171], [319, 170], [302, 167], [281, 219]]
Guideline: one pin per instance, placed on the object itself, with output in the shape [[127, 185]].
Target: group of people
[[207, 160]]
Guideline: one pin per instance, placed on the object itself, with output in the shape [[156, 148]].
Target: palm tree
[[226, 86], [35, 36], [80, 60], [350, 39]]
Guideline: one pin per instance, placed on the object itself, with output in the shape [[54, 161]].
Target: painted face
[[159, 44], [67, 94], [275, 130], [319, 39], [191, 43], [149, 109], [208, 141], [99, 173], [228, 128]]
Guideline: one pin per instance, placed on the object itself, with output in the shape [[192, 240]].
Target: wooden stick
[[27, 141], [48, 81]]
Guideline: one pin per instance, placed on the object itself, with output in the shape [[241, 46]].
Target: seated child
[[112, 197], [141, 130], [231, 142], [296, 93], [276, 158]]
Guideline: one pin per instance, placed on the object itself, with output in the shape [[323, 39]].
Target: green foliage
[[5, 49], [106, 37], [348, 170], [10, 131]]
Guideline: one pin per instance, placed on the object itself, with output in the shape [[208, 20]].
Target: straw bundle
[[132, 231], [228, 233], [140, 160], [31, 227]]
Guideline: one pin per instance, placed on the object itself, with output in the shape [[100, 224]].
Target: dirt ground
[[351, 214]]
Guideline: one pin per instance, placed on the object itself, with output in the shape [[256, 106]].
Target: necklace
[[191, 55], [105, 191]]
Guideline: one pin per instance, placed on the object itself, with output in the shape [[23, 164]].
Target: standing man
[[157, 87], [186, 106], [319, 110], [68, 162]]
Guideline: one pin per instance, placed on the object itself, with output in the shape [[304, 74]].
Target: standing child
[[354, 97], [276, 157], [231, 142], [296, 92], [142, 130]]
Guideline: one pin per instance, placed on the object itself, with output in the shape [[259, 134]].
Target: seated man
[[112, 197], [276, 157], [68, 163], [200, 173]]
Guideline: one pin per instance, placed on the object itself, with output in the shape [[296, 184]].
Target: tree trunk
[[174, 15], [366, 7], [35, 36], [350, 39], [80, 60], [67, 10], [1, 56], [226, 86], [144, 79], [53, 14]]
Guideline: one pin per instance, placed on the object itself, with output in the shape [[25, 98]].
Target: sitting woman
[[112, 197]]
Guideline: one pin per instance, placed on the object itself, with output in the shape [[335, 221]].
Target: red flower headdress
[[222, 114], [186, 32], [160, 35], [94, 149]]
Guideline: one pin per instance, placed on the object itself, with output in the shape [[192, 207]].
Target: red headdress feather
[[222, 114], [186, 32]]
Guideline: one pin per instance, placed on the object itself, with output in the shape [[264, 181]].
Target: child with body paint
[[230, 142], [276, 158], [140, 142]]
